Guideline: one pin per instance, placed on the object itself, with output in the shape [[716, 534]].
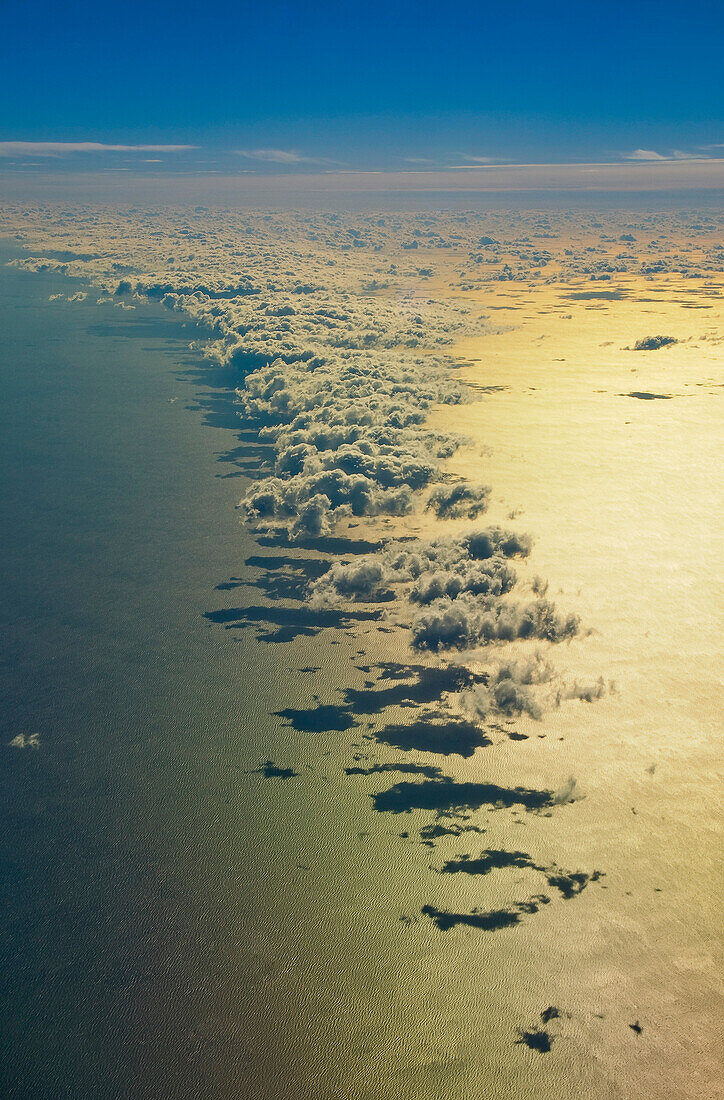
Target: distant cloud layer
[[289, 169]]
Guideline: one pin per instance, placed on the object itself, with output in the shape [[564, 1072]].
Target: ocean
[[217, 879]]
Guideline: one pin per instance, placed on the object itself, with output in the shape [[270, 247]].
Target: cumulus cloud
[[587, 691], [338, 381], [653, 343], [508, 689], [312, 518], [345, 422], [567, 792], [467, 622], [25, 741], [424, 571], [362, 580], [460, 499], [338, 368], [460, 583], [347, 430]]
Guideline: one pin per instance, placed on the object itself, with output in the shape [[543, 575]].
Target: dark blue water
[[135, 887]]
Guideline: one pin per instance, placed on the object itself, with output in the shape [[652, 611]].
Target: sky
[[304, 87]]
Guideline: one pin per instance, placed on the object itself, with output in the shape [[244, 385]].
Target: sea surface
[[144, 869], [198, 900]]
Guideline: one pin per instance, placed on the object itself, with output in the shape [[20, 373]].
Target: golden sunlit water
[[622, 493]]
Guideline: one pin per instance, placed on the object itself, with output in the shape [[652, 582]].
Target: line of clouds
[[293, 158]]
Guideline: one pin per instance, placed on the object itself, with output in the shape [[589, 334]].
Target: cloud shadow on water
[[568, 883], [644, 395], [491, 921], [537, 1039], [428, 685], [290, 622], [431, 833], [446, 794], [318, 719], [250, 458], [270, 770], [437, 733], [325, 544], [428, 770], [490, 860]]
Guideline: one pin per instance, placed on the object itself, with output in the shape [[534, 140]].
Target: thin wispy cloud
[[286, 159], [674, 154], [61, 148], [644, 154], [276, 156], [484, 160]]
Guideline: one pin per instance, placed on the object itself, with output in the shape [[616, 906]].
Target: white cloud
[[644, 154], [675, 154], [275, 156], [485, 160], [281, 156], [60, 148], [479, 165]]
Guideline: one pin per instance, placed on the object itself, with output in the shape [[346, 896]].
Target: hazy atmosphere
[[362, 536]]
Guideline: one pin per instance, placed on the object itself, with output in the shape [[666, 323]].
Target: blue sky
[[317, 86]]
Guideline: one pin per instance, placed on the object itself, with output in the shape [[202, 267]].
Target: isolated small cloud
[[568, 792]]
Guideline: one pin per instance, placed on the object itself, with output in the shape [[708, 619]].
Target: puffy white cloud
[[469, 621], [459, 499]]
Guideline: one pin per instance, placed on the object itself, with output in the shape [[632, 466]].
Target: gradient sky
[[303, 86]]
